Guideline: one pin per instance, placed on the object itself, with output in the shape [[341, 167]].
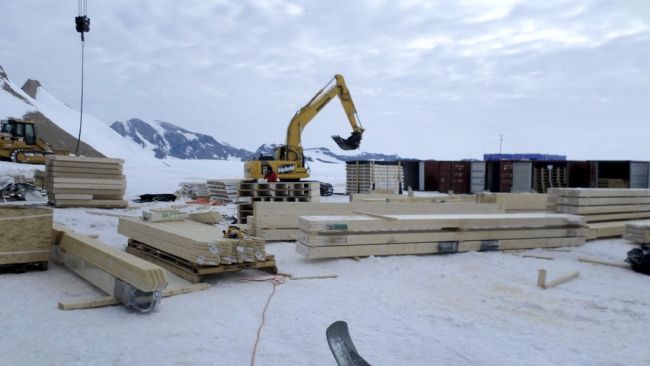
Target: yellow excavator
[[19, 143], [288, 161]]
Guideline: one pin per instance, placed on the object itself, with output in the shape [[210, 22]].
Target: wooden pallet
[[191, 271]]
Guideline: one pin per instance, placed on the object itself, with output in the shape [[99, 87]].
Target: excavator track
[[29, 156]]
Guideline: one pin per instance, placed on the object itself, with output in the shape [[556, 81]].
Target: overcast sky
[[430, 79]]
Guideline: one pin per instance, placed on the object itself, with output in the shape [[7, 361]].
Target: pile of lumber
[[223, 189], [193, 242], [25, 235], [638, 232], [366, 235], [601, 204], [368, 177], [131, 280], [515, 202], [279, 220], [73, 181]]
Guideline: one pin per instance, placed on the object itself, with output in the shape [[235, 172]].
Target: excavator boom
[[288, 160]]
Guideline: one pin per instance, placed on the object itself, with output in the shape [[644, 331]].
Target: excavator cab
[[351, 143]]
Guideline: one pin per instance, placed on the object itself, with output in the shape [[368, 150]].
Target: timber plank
[[425, 248], [600, 192], [436, 236], [586, 210], [435, 222], [83, 159], [115, 262]]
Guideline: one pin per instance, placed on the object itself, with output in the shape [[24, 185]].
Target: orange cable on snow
[[275, 280]]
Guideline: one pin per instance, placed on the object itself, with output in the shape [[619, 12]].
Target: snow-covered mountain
[[58, 124], [166, 139]]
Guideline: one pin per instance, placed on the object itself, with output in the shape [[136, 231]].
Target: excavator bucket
[[351, 143]]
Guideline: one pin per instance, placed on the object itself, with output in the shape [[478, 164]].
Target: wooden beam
[[541, 279], [109, 300], [604, 263]]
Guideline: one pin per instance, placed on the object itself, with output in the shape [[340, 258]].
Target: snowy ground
[[461, 309]]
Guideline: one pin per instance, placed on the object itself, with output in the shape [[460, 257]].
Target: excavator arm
[[288, 160], [305, 114]]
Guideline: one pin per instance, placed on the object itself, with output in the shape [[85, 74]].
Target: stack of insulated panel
[[73, 181], [638, 232], [279, 220], [599, 205], [251, 192], [223, 189], [370, 176], [364, 235]]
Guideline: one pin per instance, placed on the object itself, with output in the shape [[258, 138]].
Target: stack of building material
[[279, 220], [73, 181], [194, 189], [132, 281], [515, 202], [403, 198], [223, 189], [365, 235], [598, 205], [251, 192], [368, 177], [638, 232], [606, 211], [25, 236], [191, 249]]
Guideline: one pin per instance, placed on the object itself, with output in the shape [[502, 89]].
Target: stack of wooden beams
[[194, 242], [303, 191], [516, 202], [598, 205], [370, 177], [279, 220], [130, 280], [73, 181], [365, 235], [25, 235], [141, 274], [194, 189], [638, 232], [224, 189]]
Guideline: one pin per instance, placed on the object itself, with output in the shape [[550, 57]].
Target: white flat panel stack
[[73, 181], [369, 177], [366, 235], [223, 189], [602, 204]]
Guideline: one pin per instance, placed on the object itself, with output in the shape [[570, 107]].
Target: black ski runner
[[338, 337]]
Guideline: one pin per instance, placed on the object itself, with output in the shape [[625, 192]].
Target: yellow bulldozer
[[19, 143]]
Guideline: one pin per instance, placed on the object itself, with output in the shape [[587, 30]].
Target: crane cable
[[82, 23]]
